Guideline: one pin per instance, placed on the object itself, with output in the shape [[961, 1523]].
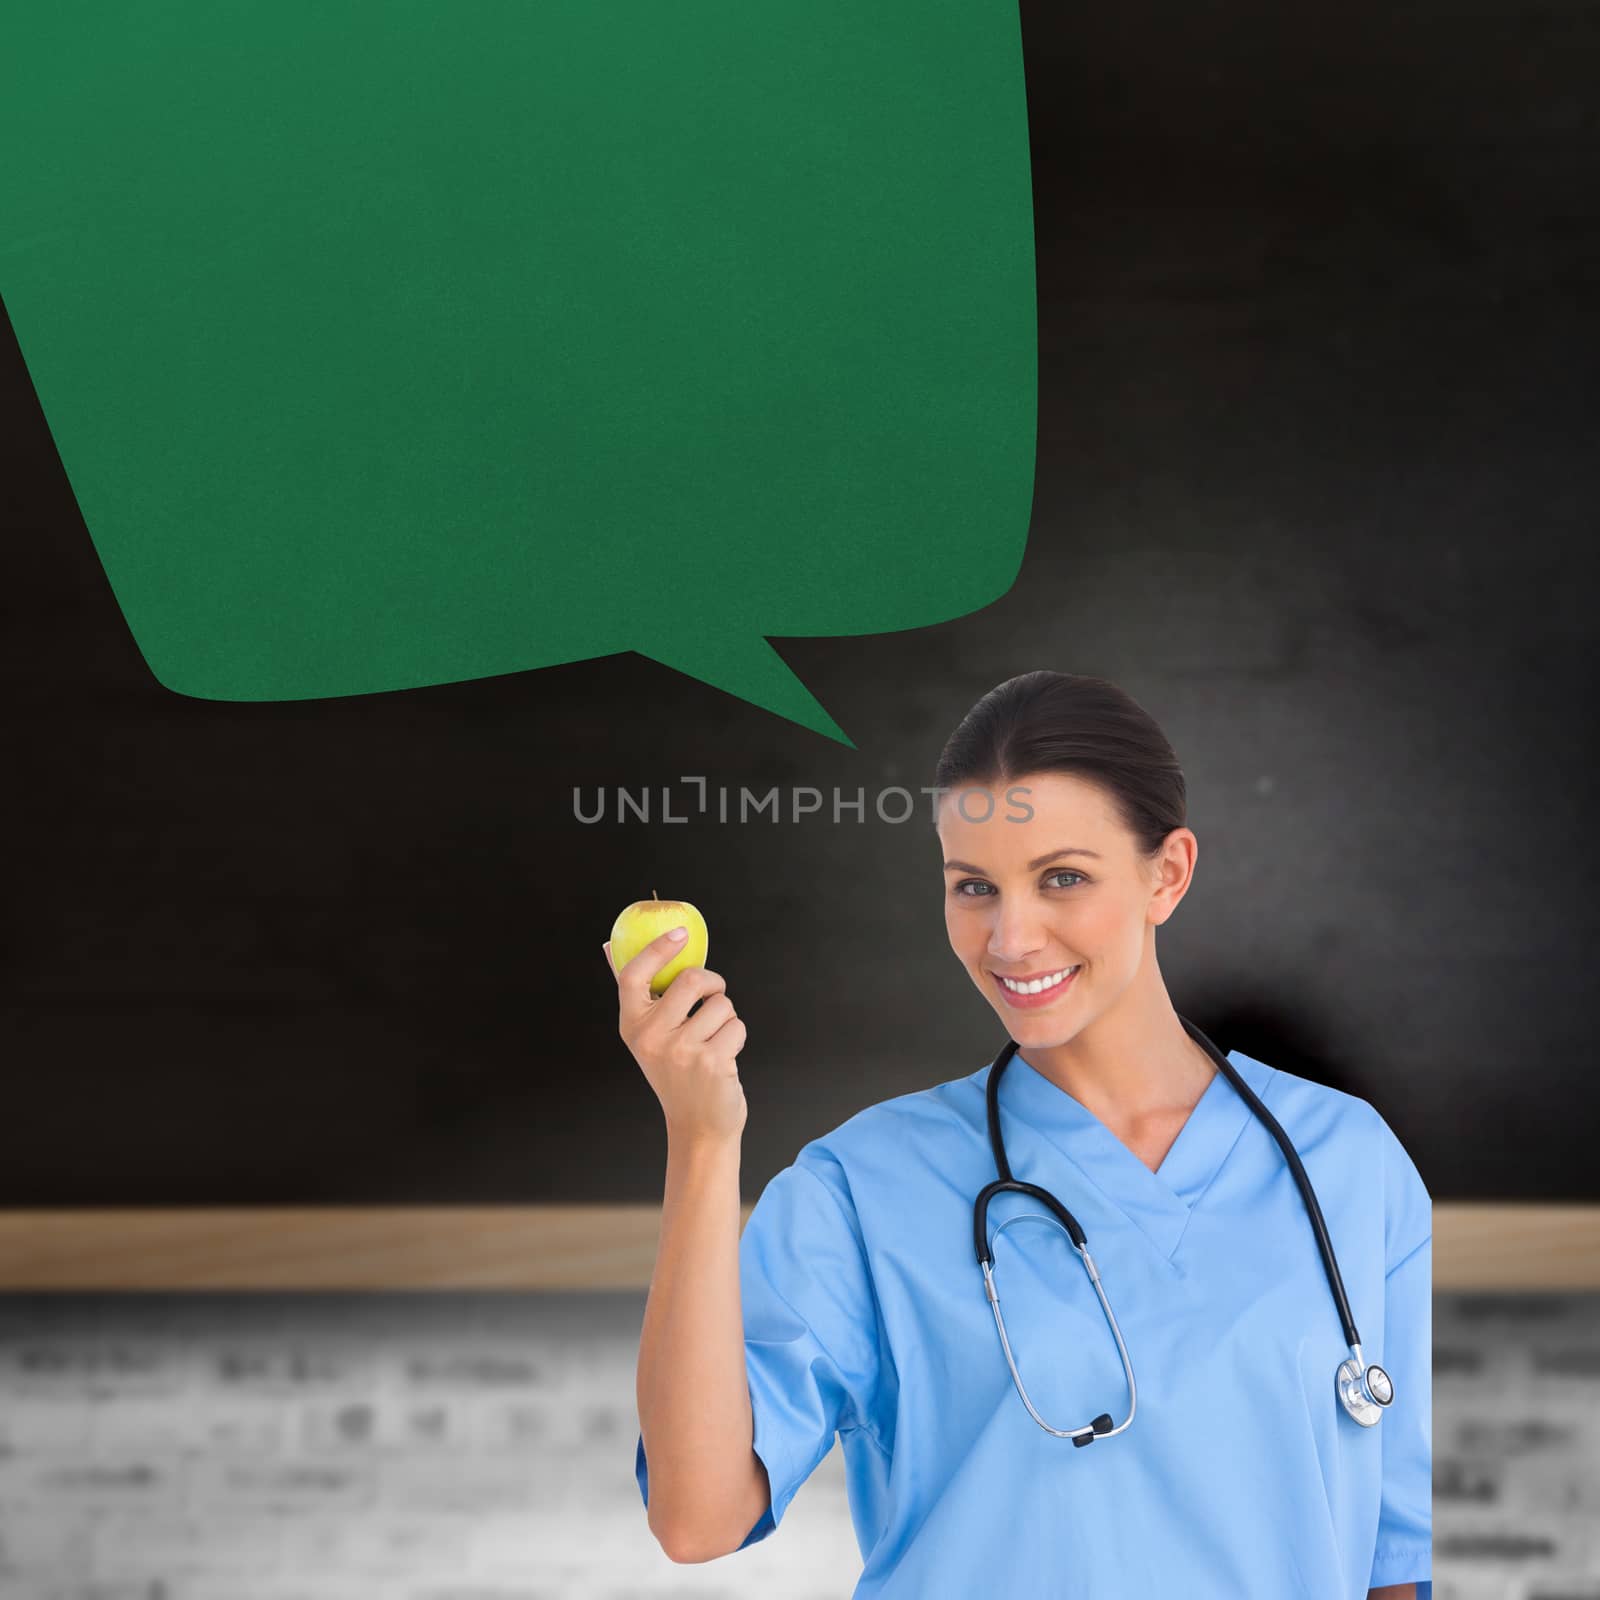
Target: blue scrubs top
[[1241, 1474]]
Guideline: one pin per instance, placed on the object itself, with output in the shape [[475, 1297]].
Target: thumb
[[609, 962]]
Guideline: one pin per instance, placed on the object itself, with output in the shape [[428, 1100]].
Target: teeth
[[1039, 985]]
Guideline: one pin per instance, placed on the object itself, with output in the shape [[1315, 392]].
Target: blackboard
[[1316, 481]]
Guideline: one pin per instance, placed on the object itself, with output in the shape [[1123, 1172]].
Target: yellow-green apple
[[644, 920]]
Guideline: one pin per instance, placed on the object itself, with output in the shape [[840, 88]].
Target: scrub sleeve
[[1404, 1549], [811, 1327]]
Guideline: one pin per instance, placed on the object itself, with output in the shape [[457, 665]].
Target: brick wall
[[480, 1447], [1516, 1435]]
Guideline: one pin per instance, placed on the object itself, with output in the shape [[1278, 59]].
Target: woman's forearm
[[1394, 1591], [707, 1485]]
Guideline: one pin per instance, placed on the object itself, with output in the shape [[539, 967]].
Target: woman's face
[[1012, 912]]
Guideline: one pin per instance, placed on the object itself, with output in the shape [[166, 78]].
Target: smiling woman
[[1044, 942], [1214, 1188]]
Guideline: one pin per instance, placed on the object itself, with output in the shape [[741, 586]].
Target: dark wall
[[1316, 483]]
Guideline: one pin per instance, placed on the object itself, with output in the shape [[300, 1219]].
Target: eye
[[980, 883]]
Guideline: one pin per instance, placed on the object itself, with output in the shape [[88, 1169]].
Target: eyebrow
[[1038, 861]]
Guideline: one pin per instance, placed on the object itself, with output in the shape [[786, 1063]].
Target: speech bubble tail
[[747, 667]]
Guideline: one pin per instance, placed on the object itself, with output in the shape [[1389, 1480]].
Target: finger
[[633, 979], [687, 987], [709, 1014], [609, 962], [728, 1041]]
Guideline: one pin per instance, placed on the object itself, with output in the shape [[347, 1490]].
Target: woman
[[854, 1300]]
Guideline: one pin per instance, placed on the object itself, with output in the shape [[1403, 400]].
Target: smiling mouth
[[1041, 989]]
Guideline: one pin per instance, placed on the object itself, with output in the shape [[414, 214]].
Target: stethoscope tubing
[[1313, 1210], [1005, 1180], [1364, 1390]]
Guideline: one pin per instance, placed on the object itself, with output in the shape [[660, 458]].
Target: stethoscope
[[1364, 1390]]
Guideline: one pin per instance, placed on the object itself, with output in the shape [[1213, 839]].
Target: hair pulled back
[[1085, 727]]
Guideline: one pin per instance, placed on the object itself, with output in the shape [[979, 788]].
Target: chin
[[1041, 1032]]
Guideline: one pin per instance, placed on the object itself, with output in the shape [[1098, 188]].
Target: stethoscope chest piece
[[1364, 1390]]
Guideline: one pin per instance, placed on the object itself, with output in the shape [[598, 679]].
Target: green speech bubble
[[387, 345]]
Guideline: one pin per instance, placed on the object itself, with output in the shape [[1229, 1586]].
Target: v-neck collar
[[1158, 1203]]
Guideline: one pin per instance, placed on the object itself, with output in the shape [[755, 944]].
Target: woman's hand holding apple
[[689, 1061]]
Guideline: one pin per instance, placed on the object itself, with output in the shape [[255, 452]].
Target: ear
[[1174, 873]]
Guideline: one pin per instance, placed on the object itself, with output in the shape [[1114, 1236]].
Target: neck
[[1133, 1061]]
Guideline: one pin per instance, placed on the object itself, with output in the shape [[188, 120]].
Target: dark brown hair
[[1086, 727]]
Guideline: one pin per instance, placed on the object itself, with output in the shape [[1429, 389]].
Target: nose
[[1018, 932]]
